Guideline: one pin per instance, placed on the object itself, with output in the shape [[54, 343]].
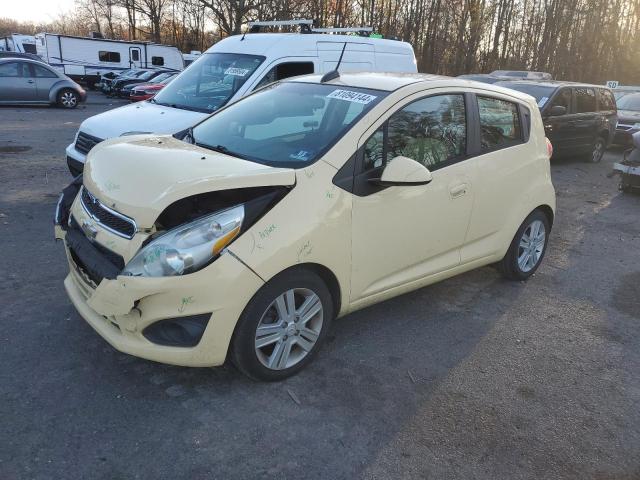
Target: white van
[[233, 68]]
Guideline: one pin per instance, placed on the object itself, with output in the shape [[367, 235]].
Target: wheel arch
[[328, 277], [548, 211], [606, 134], [55, 89]]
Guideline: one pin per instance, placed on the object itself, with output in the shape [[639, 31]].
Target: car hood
[[139, 176], [628, 116], [144, 86], [143, 117]]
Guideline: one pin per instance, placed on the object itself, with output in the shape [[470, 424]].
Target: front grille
[[88, 277], [93, 262], [85, 142], [110, 219]]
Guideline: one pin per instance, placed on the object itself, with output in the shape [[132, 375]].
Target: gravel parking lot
[[475, 377]]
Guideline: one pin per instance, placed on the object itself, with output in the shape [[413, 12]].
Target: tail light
[[549, 147]]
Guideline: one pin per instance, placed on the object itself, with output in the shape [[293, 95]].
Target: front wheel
[[283, 326], [527, 248], [67, 98]]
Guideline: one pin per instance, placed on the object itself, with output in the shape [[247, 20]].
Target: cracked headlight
[[189, 247]]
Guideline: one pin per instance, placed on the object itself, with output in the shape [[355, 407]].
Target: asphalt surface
[[475, 377]]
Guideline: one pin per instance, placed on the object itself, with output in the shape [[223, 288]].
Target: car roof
[[22, 59], [394, 81], [551, 83], [627, 88], [300, 44]]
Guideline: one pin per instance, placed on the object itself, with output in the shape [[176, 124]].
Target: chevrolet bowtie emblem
[[89, 230]]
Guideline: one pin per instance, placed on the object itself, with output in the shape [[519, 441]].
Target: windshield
[[539, 92], [629, 102], [147, 75], [161, 77], [209, 82], [287, 124]]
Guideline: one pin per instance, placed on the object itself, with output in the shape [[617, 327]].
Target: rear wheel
[[68, 98], [283, 326], [527, 248], [597, 152]]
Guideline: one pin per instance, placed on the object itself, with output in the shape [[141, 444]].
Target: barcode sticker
[[237, 72], [350, 96]]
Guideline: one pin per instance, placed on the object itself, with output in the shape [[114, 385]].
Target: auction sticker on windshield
[[351, 96], [238, 72]]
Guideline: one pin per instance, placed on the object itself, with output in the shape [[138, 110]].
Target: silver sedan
[[24, 81]]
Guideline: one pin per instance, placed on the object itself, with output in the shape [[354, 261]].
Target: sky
[[34, 10]]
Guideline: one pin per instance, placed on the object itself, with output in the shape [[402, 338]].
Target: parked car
[[25, 81], [621, 91], [191, 251], [580, 119], [233, 68], [107, 80], [628, 119], [125, 92], [522, 74], [118, 85], [148, 90]]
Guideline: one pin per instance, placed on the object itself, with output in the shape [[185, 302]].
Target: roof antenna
[[333, 74]]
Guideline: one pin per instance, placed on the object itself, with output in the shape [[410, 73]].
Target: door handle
[[30, 81], [458, 191]]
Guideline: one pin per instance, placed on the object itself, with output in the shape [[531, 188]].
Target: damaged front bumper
[[185, 320]]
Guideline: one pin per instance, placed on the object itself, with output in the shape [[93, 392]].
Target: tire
[[511, 266], [597, 151], [286, 345], [67, 98]]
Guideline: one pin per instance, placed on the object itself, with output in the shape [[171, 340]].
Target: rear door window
[[500, 125], [585, 100]]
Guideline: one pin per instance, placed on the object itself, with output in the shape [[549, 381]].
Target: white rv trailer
[[85, 59], [17, 42]]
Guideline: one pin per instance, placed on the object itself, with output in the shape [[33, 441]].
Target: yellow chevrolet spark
[[245, 236]]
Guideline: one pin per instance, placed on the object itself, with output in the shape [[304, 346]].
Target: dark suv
[[579, 119]]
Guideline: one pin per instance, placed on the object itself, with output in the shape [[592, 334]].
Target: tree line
[[582, 40]]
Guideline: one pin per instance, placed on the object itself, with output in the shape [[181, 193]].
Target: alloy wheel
[[531, 246], [598, 151], [289, 329], [69, 99]]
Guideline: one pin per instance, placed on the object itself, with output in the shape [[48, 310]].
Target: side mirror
[[403, 171], [557, 111]]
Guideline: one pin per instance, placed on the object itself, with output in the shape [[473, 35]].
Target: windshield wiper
[[180, 107], [221, 149]]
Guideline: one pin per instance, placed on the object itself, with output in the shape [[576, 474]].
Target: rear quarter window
[[500, 124], [606, 101]]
